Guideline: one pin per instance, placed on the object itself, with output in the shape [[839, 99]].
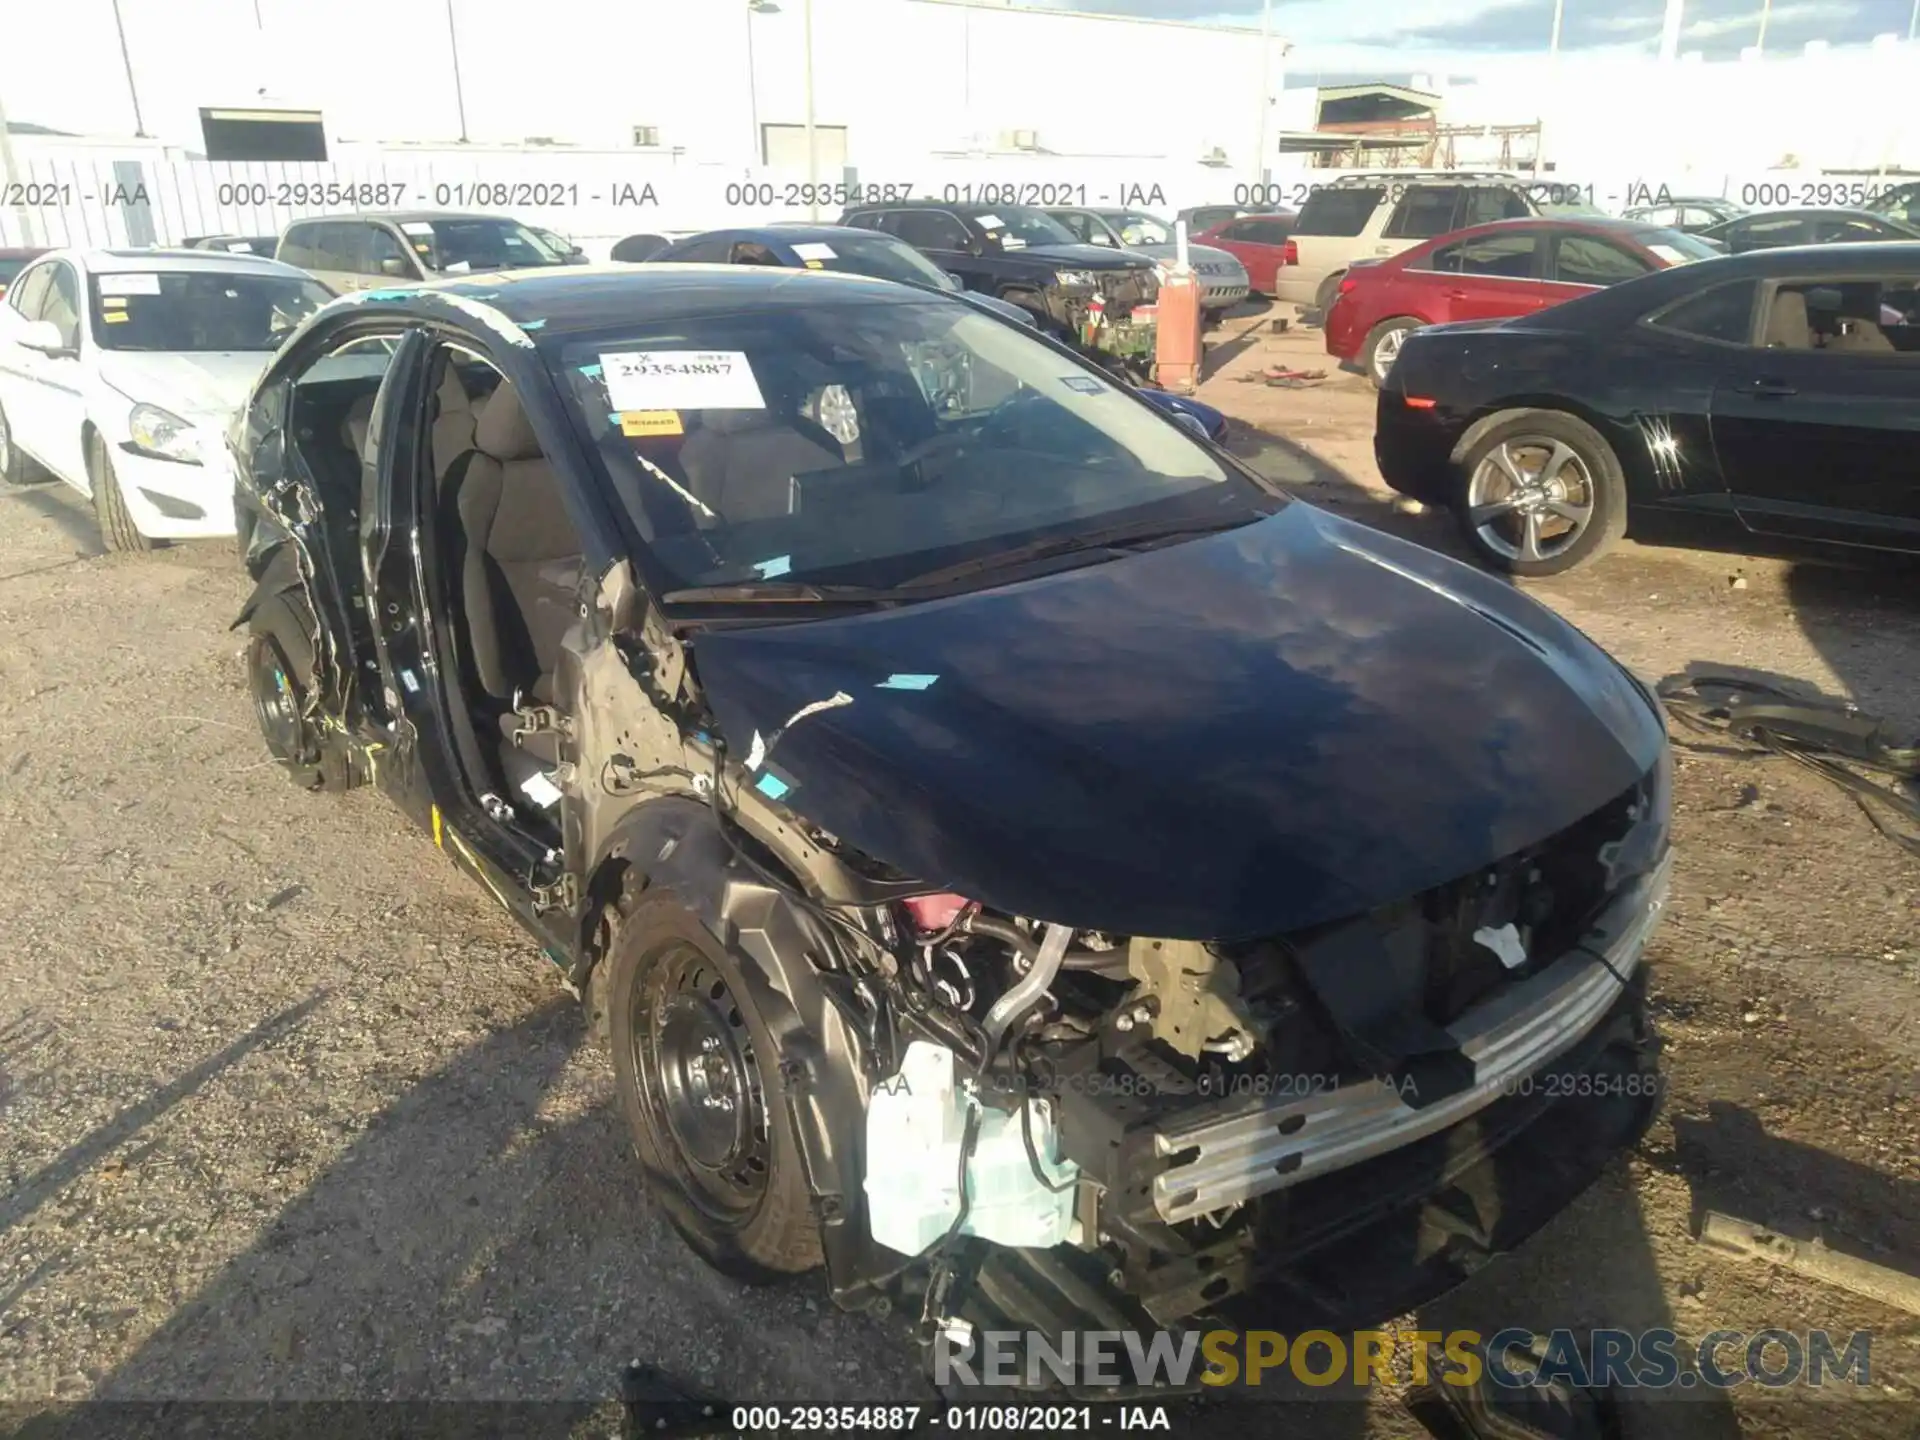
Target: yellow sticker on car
[[115, 317], [638, 423], [113, 302], [816, 264]]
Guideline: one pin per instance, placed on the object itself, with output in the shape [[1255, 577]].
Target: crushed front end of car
[[1320, 1129], [1280, 992]]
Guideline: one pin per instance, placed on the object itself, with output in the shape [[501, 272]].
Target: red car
[[1489, 272], [1261, 243]]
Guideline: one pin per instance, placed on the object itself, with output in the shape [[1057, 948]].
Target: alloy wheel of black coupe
[[1544, 493], [699, 1083]]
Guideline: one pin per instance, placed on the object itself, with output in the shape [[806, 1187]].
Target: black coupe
[[1779, 391]]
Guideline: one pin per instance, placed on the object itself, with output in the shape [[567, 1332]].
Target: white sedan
[[119, 370]]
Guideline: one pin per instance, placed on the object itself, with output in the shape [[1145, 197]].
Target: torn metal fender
[[282, 573], [822, 1052]]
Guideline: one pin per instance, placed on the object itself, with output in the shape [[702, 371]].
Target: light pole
[[1553, 86], [1760, 42], [813, 155], [754, 7], [1670, 30], [126, 59], [1266, 80], [459, 94]]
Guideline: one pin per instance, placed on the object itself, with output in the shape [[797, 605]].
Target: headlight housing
[[164, 434], [1076, 279]]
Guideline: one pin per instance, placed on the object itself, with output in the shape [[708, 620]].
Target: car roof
[[1799, 212], [788, 234], [1602, 224], [397, 216], [115, 262], [565, 301]]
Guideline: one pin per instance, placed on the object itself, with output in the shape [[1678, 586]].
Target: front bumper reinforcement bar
[[1227, 1161]]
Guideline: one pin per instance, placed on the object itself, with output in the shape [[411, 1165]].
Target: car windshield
[[1017, 226], [880, 256], [1138, 229], [462, 243], [200, 310], [875, 440], [1676, 247]]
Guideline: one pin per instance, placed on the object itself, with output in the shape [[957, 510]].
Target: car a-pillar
[[667, 865]]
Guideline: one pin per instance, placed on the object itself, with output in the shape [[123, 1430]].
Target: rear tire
[[1383, 347], [1568, 468], [109, 505], [699, 1084], [1328, 292], [280, 678]]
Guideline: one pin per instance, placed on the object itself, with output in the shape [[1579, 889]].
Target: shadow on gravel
[[1735, 1167], [473, 1245], [49, 1181], [1325, 485], [66, 509]]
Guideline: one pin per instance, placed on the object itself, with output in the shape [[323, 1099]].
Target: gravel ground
[[289, 1109]]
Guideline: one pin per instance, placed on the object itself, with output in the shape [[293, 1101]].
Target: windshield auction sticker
[[680, 380], [640, 423], [129, 284]]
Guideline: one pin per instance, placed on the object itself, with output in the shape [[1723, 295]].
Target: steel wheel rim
[[276, 704], [1531, 498], [699, 1079], [1387, 351]]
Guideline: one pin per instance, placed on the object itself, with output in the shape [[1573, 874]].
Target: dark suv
[[1020, 253]]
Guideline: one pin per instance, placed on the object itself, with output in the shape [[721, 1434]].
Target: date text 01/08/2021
[[961, 1419]]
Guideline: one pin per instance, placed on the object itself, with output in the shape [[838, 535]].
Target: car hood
[[1237, 736], [1086, 257], [197, 385]]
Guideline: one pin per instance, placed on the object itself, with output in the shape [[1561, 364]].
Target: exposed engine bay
[[1150, 1103]]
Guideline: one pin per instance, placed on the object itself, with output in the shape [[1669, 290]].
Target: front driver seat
[[519, 561], [1787, 325]]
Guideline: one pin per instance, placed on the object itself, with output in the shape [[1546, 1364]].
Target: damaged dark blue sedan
[[1020, 859]]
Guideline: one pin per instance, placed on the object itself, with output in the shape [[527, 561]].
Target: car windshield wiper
[[775, 592], [1113, 540]]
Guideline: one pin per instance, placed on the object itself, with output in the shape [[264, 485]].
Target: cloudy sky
[[1388, 39]]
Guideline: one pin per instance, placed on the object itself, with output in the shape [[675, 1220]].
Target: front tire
[[699, 1083], [1383, 347], [15, 468], [109, 505], [1543, 494]]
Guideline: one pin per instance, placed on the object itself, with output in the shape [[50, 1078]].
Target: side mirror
[[955, 282], [44, 336], [976, 246], [397, 267], [1192, 422]]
